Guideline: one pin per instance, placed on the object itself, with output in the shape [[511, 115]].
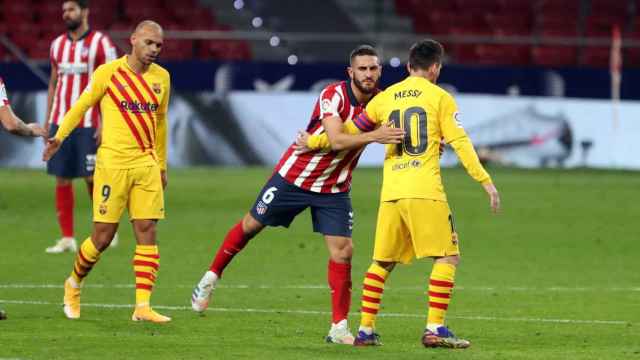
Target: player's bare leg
[[146, 262], [88, 255], [436, 334], [339, 278], [64, 212], [235, 240], [372, 289]]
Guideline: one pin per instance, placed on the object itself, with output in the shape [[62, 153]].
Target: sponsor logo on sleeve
[[325, 105], [456, 118]]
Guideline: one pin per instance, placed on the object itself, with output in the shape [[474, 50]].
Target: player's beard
[[73, 25], [359, 84]]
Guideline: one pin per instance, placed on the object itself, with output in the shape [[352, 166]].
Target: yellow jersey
[[427, 113], [134, 115]]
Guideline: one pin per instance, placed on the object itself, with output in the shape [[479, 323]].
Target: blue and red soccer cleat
[[443, 338], [364, 339]]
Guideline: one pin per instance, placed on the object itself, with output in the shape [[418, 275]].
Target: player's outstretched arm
[[339, 136], [455, 135], [494, 197], [90, 97], [469, 159], [16, 126]]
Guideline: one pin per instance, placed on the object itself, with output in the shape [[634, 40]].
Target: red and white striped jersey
[[4, 100], [324, 171], [75, 61]]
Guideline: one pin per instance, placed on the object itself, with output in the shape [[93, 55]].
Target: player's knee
[[387, 265], [342, 251], [250, 226], [453, 260], [144, 226], [345, 253], [60, 181], [103, 234]]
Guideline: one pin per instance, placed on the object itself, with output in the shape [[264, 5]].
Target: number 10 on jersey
[[403, 120]]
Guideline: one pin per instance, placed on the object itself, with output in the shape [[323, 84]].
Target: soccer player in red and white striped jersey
[[16, 126], [11, 122], [319, 180], [74, 56]]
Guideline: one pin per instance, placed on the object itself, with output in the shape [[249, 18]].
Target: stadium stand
[[542, 19], [29, 26], [539, 24]]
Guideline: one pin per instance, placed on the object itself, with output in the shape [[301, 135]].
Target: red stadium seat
[[596, 56], [177, 49], [563, 7], [463, 53], [568, 32], [479, 6], [618, 8], [40, 50], [225, 50], [598, 26], [631, 57], [517, 7], [554, 55], [493, 54]]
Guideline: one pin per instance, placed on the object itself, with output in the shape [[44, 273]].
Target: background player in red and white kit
[[319, 180], [74, 56], [11, 122], [16, 126]]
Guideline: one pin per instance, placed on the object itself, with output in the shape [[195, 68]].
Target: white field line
[[325, 287], [324, 313]]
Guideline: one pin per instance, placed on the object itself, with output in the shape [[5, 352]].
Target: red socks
[[64, 207], [233, 243], [339, 276]]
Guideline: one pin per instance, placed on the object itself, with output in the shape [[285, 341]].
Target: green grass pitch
[[555, 276]]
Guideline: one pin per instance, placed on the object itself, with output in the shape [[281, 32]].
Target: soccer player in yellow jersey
[[131, 164], [414, 219]]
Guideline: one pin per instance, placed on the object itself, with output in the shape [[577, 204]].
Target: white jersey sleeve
[[4, 100]]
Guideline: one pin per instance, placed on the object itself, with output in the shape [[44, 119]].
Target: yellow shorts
[[414, 228], [138, 189]]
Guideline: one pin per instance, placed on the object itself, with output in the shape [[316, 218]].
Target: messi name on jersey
[[137, 107], [406, 93]]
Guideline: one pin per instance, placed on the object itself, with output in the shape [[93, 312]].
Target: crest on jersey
[[84, 53], [157, 88], [454, 238], [103, 209], [325, 105], [261, 208], [456, 117]]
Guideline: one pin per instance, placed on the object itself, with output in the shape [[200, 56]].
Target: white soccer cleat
[[62, 245], [202, 292], [114, 241], [340, 334]]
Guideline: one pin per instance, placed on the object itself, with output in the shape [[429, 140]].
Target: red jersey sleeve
[[331, 102], [4, 100]]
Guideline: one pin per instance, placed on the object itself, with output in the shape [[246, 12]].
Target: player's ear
[[350, 72]]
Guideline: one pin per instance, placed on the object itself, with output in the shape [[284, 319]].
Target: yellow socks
[[145, 265], [87, 256], [372, 288], [440, 288]]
